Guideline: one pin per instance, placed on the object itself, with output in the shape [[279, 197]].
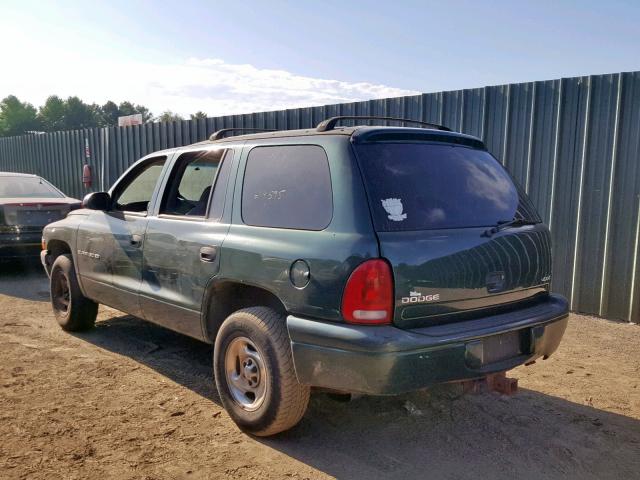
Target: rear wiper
[[502, 224]]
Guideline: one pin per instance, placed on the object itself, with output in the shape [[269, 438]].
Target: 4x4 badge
[[394, 208]]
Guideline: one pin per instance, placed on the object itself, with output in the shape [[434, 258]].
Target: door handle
[[135, 240], [208, 254]]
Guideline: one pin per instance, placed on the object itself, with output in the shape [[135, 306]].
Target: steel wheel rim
[[246, 374], [60, 292]]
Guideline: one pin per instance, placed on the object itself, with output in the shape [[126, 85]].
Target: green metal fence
[[573, 143]]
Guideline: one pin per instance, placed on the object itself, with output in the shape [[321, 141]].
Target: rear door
[[183, 239], [434, 205]]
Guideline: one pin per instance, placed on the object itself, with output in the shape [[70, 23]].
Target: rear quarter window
[[287, 187]]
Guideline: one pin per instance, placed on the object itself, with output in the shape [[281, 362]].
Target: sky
[[243, 56]]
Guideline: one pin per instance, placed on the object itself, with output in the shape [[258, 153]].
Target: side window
[[136, 193], [189, 189], [220, 188], [287, 187]]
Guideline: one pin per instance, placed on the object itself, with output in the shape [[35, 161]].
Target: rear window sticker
[[394, 208]]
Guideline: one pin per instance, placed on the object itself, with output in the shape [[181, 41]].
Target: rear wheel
[[254, 372], [73, 311]]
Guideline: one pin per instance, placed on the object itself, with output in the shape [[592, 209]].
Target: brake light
[[368, 295]]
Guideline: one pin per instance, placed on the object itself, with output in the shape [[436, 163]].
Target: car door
[[109, 243], [183, 239]]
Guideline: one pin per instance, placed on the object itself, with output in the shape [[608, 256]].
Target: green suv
[[367, 259]]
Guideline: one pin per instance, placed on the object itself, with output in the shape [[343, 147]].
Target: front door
[[183, 239], [110, 243]]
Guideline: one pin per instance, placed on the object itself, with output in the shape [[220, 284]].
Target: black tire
[[73, 311], [284, 400]]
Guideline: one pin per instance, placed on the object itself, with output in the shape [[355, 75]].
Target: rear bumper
[[385, 360], [20, 244]]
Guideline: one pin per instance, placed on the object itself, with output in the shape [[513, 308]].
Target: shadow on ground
[[432, 434], [24, 278], [182, 359]]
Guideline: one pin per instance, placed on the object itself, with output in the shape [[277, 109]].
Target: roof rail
[[218, 134], [330, 123]]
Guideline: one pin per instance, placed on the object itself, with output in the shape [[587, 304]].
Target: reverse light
[[368, 295]]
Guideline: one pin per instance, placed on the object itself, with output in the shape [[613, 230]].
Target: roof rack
[[218, 134], [330, 123]]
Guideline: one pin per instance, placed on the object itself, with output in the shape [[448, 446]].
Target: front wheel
[[73, 311], [254, 372]]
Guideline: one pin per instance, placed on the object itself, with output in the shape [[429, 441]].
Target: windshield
[[25, 187], [421, 186]]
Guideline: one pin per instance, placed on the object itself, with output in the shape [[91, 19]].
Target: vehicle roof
[[17, 174], [341, 131]]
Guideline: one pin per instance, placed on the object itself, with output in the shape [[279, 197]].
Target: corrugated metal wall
[[573, 144]]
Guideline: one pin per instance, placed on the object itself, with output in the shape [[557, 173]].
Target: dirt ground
[[132, 400]]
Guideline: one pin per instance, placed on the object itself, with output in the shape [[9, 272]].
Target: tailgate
[[436, 203], [453, 275]]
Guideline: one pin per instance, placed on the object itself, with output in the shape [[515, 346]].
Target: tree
[[70, 114], [53, 114], [109, 113], [16, 117], [198, 114], [128, 108], [169, 116], [147, 116], [80, 115], [57, 114]]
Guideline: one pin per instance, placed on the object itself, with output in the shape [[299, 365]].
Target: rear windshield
[[25, 187], [421, 186]]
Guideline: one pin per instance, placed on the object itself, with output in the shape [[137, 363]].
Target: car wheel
[[73, 311], [254, 372]]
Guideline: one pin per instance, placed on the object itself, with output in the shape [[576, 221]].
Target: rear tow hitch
[[496, 382]]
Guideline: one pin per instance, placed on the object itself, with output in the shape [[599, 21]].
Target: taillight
[[368, 295]]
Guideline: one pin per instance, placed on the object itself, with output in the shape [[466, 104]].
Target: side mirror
[[97, 201]]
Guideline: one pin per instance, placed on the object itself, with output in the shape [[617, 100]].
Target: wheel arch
[[55, 248], [223, 297], [58, 247]]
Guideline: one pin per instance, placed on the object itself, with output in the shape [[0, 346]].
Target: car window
[[25, 187], [191, 183], [419, 186], [287, 187], [220, 188], [137, 191]]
